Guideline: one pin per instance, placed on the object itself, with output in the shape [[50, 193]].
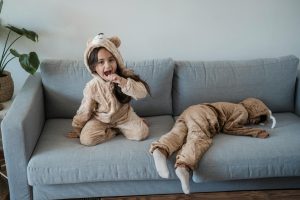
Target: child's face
[[106, 64]]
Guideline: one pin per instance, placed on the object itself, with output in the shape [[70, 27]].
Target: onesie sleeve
[[235, 125], [135, 89], [85, 110]]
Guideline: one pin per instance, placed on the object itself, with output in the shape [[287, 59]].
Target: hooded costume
[[198, 124], [100, 115]]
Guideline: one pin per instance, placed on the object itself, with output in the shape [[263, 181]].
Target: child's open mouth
[[107, 73]]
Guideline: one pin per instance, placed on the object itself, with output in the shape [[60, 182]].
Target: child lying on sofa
[[194, 129]]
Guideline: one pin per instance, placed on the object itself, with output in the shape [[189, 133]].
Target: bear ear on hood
[[116, 40]]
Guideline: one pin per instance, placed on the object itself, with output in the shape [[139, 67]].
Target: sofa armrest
[[297, 94], [21, 128]]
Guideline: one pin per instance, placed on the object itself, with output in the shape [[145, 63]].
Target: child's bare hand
[[72, 134]]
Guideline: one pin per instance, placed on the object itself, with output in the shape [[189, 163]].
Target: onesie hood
[[111, 44], [257, 110]]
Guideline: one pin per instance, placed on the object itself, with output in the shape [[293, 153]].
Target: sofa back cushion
[[270, 79], [159, 75], [64, 81]]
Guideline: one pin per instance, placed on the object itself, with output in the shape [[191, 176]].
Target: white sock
[[160, 161], [184, 177], [273, 119]]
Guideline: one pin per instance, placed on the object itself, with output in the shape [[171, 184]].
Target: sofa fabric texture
[[56, 159], [272, 80], [60, 160], [43, 164], [64, 81]]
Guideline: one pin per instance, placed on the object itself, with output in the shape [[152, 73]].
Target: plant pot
[[6, 87]]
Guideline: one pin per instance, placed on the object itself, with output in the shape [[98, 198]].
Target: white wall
[[181, 29]]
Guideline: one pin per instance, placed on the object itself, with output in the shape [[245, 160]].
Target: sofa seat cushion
[[239, 157], [60, 160]]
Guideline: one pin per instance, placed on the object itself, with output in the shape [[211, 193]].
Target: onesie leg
[[166, 145], [134, 127], [173, 140], [188, 157], [196, 145], [95, 132]]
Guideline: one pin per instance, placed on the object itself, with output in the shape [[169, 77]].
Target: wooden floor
[[3, 182], [241, 195], [3, 189]]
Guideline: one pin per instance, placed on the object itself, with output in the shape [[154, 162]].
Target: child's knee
[[143, 133], [87, 141], [139, 134]]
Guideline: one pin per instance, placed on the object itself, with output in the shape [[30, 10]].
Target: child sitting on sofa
[[194, 129], [105, 109]]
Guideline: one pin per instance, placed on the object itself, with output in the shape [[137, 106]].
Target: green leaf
[[30, 35], [30, 62], [24, 32], [34, 60], [15, 29], [14, 52]]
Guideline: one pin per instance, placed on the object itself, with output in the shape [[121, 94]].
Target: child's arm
[[83, 114], [235, 126], [132, 88]]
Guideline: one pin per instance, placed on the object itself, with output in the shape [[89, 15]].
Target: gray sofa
[[43, 164]]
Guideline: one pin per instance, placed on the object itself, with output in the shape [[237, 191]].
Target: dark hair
[[122, 98]]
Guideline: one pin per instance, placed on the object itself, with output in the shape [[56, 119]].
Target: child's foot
[[184, 176], [160, 161]]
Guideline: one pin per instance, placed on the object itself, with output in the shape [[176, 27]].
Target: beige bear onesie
[[198, 124], [194, 129], [100, 115]]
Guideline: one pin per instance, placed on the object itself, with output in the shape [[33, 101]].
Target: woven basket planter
[[6, 87]]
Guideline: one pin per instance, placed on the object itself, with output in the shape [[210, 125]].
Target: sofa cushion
[[240, 157], [58, 159], [64, 80], [271, 80], [159, 75], [63, 83]]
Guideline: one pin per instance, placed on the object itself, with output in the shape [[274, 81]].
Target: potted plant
[[29, 62]]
